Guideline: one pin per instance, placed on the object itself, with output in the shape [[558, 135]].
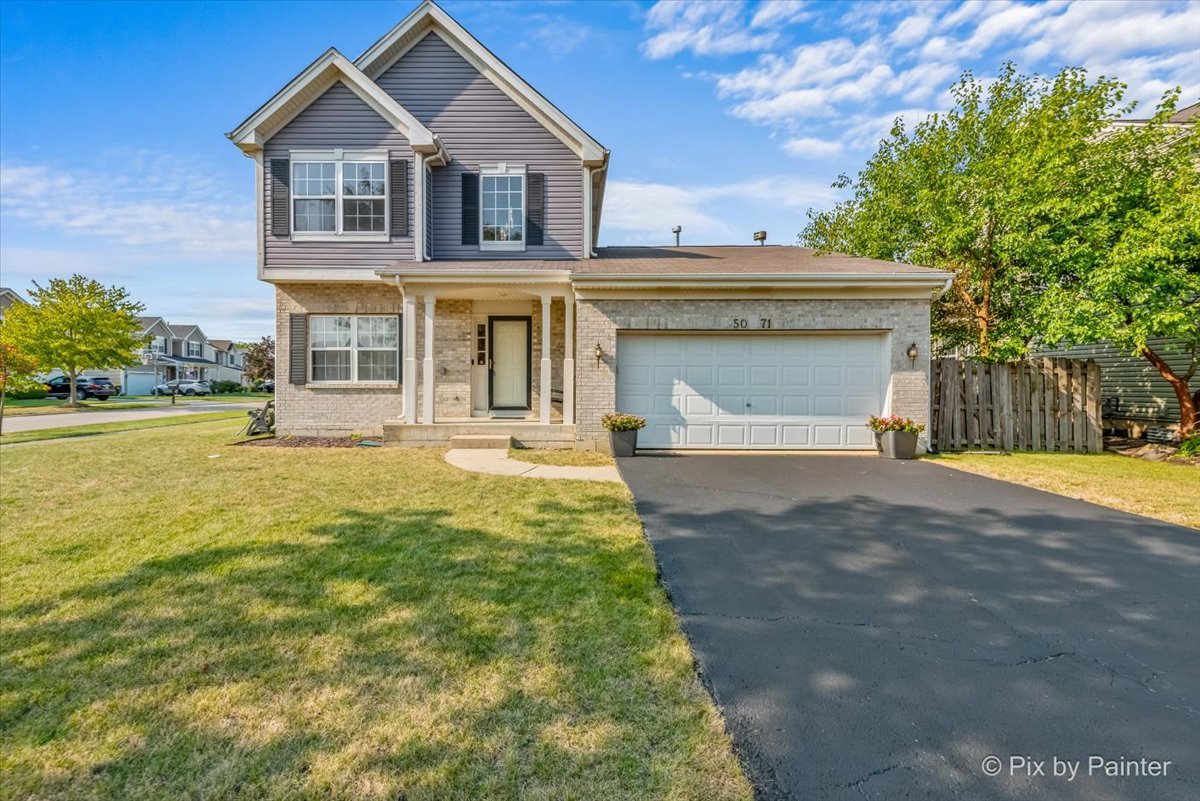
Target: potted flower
[[895, 436], [622, 432]]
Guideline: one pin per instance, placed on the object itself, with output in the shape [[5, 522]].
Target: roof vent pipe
[[760, 237], [676, 231]]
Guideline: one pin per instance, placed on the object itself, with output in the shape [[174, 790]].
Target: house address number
[[742, 322]]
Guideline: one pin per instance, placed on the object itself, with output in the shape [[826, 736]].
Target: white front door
[[510, 364], [770, 391]]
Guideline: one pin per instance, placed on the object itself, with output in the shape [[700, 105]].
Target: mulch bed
[[302, 442]]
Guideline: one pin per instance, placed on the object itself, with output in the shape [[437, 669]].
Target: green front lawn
[[1160, 490], [66, 432], [366, 623], [562, 458]]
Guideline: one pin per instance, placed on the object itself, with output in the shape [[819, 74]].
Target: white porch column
[[428, 392], [569, 360], [410, 358], [544, 395]]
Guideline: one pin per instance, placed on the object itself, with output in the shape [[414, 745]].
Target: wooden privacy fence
[[1033, 405]]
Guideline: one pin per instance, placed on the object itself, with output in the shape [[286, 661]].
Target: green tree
[[76, 323], [260, 359], [995, 190], [1138, 275], [17, 369]]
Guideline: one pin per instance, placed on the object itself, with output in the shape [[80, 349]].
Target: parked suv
[[85, 387]]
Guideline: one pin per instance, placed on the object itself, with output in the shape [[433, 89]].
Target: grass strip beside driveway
[[1160, 490], [114, 427], [561, 458], [363, 623]]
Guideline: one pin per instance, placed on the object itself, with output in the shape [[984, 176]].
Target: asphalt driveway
[[876, 629]]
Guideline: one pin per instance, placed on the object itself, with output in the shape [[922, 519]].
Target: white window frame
[[354, 350], [199, 350], [338, 157], [512, 170], [158, 345]]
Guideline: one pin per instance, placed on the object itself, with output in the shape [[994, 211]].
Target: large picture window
[[339, 196], [346, 348], [502, 203]]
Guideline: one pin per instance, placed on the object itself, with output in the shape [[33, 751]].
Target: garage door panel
[[731, 375], [731, 435], [796, 405], [827, 375], [803, 391], [762, 375], [698, 406]]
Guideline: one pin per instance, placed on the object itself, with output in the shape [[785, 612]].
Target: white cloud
[[780, 12], [911, 30], [650, 210], [808, 147], [705, 28], [899, 59], [155, 203]]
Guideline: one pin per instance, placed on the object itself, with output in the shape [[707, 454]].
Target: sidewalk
[[38, 422], [496, 462]]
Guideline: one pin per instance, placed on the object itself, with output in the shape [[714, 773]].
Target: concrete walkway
[[38, 422], [497, 462]]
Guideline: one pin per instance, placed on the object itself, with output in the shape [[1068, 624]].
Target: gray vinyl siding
[[338, 118], [1143, 393], [479, 124]]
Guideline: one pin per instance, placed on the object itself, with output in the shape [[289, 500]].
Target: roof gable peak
[[429, 17]]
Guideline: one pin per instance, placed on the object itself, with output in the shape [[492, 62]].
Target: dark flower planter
[[898, 445], [623, 443], [878, 442]]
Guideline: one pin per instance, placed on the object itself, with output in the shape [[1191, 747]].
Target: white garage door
[[139, 383], [780, 391]]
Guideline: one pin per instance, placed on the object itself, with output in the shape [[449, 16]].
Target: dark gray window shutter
[[280, 197], [535, 208], [470, 208], [298, 348], [399, 190]]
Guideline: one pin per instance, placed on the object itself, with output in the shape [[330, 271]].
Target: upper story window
[[194, 349], [502, 203], [339, 194], [158, 345]]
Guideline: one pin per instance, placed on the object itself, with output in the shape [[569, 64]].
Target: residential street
[[877, 629], [37, 422]]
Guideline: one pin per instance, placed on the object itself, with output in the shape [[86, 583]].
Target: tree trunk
[[3, 395], [1187, 401], [71, 398]]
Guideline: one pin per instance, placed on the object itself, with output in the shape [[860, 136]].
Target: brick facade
[[343, 409], [313, 410], [598, 321]]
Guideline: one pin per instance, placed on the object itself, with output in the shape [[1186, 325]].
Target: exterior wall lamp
[[599, 354], [913, 353]]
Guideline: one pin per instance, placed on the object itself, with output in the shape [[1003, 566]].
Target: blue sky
[[722, 117]]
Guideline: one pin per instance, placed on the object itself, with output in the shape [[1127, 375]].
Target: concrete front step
[[439, 435], [481, 441]]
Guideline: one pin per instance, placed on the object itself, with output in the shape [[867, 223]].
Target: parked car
[[268, 385], [85, 387], [182, 386]]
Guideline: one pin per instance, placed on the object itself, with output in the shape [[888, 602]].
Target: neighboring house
[[429, 222], [230, 359], [173, 351], [9, 298]]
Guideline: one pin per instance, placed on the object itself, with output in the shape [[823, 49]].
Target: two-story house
[[430, 224], [179, 351]]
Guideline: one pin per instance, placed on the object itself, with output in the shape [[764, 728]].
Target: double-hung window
[[158, 345], [346, 348], [502, 203], [193, 349], [339, 194]]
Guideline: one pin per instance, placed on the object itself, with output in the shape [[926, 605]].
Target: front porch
[[487, 355]]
